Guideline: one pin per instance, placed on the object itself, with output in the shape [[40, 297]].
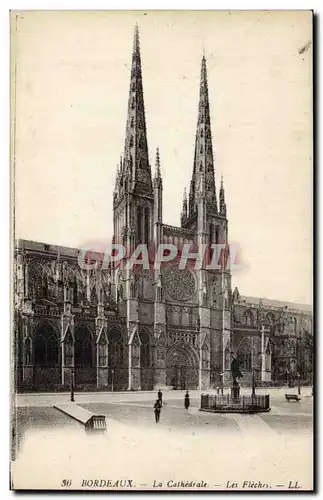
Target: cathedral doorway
[[182, 367]]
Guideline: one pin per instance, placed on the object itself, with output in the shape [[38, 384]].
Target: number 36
[[66, 482]]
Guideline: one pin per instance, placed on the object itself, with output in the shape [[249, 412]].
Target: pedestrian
[[160, 397], [187, 400], [157, 409]]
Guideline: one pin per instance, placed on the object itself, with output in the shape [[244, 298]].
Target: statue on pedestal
[[236, 374]]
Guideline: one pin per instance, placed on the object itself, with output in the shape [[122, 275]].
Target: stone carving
[[133, 285], [159, 289], [204, 293], [179, 283], [175, 336]]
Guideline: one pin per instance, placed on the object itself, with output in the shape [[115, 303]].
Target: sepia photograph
[[162, 331]]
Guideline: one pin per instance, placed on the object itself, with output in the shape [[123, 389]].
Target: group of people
[[159, 404]]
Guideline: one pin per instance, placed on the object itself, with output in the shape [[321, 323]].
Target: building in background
[[139, 329]]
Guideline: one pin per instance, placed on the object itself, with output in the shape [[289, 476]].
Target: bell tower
[[133, 200], [208, 219]]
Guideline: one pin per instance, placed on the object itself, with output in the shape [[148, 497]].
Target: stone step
[[91, 421]]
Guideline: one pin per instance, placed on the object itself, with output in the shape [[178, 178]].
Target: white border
[[4, 197]]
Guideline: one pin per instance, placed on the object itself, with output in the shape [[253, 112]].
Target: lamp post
[[72, 383], [298, 383], [112, 372], [253, 393]]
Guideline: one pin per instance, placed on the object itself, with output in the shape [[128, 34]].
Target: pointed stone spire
[[121, 165], [223, 206], [184, 207], [203, 157], [136, 160], [116, 185], [158, 178]]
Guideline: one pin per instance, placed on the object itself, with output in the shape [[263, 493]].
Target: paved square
[[273, 449]]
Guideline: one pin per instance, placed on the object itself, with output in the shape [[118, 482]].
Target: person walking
[[157, 409], [187, 400], [160, 397]]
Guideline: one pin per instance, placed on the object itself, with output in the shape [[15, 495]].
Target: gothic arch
[[182, 366], [83, 346], [248, 318], [145, 347], [244, 354], [46, 345], [182, 353], [116, 347]]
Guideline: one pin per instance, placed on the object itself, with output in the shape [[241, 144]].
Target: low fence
[[243, 403]]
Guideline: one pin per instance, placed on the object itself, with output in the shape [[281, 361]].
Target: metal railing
[[210, 401]]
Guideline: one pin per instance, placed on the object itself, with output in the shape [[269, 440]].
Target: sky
[[70, 83]]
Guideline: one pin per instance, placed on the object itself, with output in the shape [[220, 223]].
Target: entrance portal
[[182, 367]]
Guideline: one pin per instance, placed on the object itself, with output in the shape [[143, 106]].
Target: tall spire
[[158, 178], [203, 157], [223, 206], [136, 159], [184, 208]]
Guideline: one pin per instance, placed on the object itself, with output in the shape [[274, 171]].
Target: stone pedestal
[[235, 391]]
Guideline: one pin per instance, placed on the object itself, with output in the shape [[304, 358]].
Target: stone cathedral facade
[[138, 329]]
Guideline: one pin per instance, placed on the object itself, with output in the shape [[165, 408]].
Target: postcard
[[162, 214]]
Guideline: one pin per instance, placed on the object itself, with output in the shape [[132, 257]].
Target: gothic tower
[[133, 195], [134, 217], [209, 221]]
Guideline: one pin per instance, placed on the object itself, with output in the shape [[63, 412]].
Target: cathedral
[[112, 328]]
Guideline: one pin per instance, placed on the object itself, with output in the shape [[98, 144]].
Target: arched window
[[115, 348], [248, 318], [46, 346], [144, 350], [83, 347], [244, 357]]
